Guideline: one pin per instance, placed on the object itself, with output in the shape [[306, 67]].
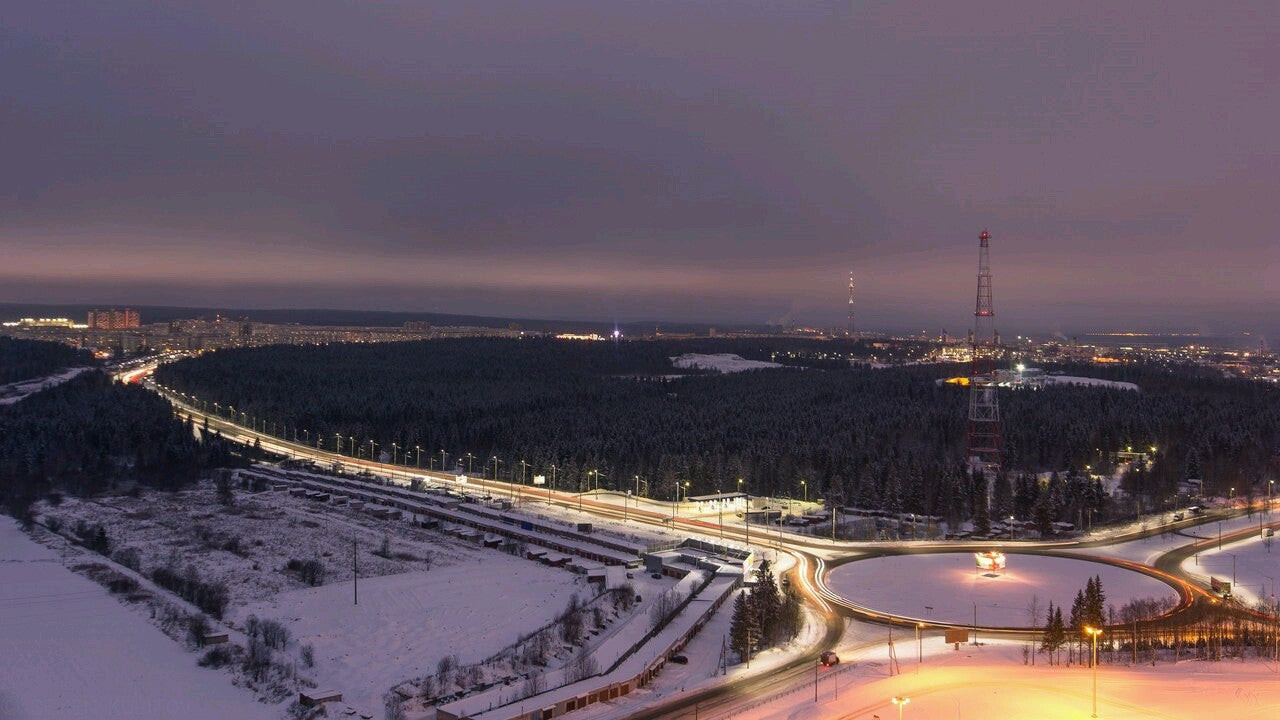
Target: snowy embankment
[[71, 650], [1252, 565], [720, 362], [12, 393]]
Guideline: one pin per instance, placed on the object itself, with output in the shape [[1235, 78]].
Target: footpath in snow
[[70, 650]]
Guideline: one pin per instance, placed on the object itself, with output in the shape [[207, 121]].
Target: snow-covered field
[[720, 362], [70, 650], [434, 596], [404, 624], [946, 582], [1093, 382]]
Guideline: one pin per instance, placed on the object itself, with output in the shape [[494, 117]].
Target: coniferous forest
[[92, 434], [888, 439], [27, 359]]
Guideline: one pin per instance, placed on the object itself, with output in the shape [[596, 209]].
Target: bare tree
[[1033, 620], [583, 666]]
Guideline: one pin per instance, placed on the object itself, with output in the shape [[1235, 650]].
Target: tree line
[[91, 434], [27, 359], [618, 415]]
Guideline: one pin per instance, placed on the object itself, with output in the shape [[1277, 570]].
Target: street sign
[[957, 635], [539, 479]]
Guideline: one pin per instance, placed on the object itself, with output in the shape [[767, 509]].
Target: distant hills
[[364, 318]]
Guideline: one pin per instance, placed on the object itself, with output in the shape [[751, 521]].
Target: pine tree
[[742, 625], [1046, 639], [1095, 602], [791, 616], [766, 605], [1059, 629]]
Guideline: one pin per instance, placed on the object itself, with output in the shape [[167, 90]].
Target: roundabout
[[940, 588]]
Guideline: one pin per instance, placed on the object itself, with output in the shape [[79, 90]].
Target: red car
[[829, 658]]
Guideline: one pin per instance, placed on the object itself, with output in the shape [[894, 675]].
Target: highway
[[813, 556]]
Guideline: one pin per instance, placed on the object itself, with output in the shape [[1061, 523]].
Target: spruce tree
[[766, 605], [742, 625], [1046, 639]]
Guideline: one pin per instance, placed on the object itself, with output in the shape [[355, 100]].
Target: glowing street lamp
[[1094, 632], [805, 485], [901, 701]]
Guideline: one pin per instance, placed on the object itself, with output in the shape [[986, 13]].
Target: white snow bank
[[720, 362]]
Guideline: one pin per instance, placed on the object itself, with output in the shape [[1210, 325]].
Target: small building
[[213, 638], [734, 502], [313, 698]]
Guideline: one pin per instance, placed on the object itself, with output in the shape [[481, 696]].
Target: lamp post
[[470, 457], [805, 485], [901, 701], [395, 451], [418, 448], [919, 647], [1094, 633], [338, 441], [523, 466]]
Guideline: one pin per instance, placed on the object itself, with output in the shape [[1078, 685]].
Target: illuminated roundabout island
[[947, 587]]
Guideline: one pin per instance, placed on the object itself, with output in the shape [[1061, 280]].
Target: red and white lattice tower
[[848, 328], [982, 448]]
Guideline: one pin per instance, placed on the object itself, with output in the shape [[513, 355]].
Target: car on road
[[829, 658], [1178, 516], [680, 659]]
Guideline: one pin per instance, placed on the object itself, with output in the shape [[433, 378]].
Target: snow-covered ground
[[945, 587], [13, 392], [435, 596], [404, 624], [71, 650], [1093, 382], [1253, 563], [991, 681], [720, 362], [1148, 549]]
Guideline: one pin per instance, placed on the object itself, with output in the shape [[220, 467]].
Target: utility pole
[[355, 575]]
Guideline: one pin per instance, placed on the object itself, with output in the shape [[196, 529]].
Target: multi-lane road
[[813, 556]]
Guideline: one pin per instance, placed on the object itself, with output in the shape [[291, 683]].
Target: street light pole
[[901, 702], [919, 647], [1095, 632]]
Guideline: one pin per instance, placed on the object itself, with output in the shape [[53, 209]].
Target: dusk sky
[[715, 161]]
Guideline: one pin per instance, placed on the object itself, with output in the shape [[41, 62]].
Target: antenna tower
[[982, 447], [848, 329]]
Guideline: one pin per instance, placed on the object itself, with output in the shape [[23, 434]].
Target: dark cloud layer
[[715, 160]]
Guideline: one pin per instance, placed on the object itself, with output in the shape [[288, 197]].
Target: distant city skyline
[[713, 163]]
